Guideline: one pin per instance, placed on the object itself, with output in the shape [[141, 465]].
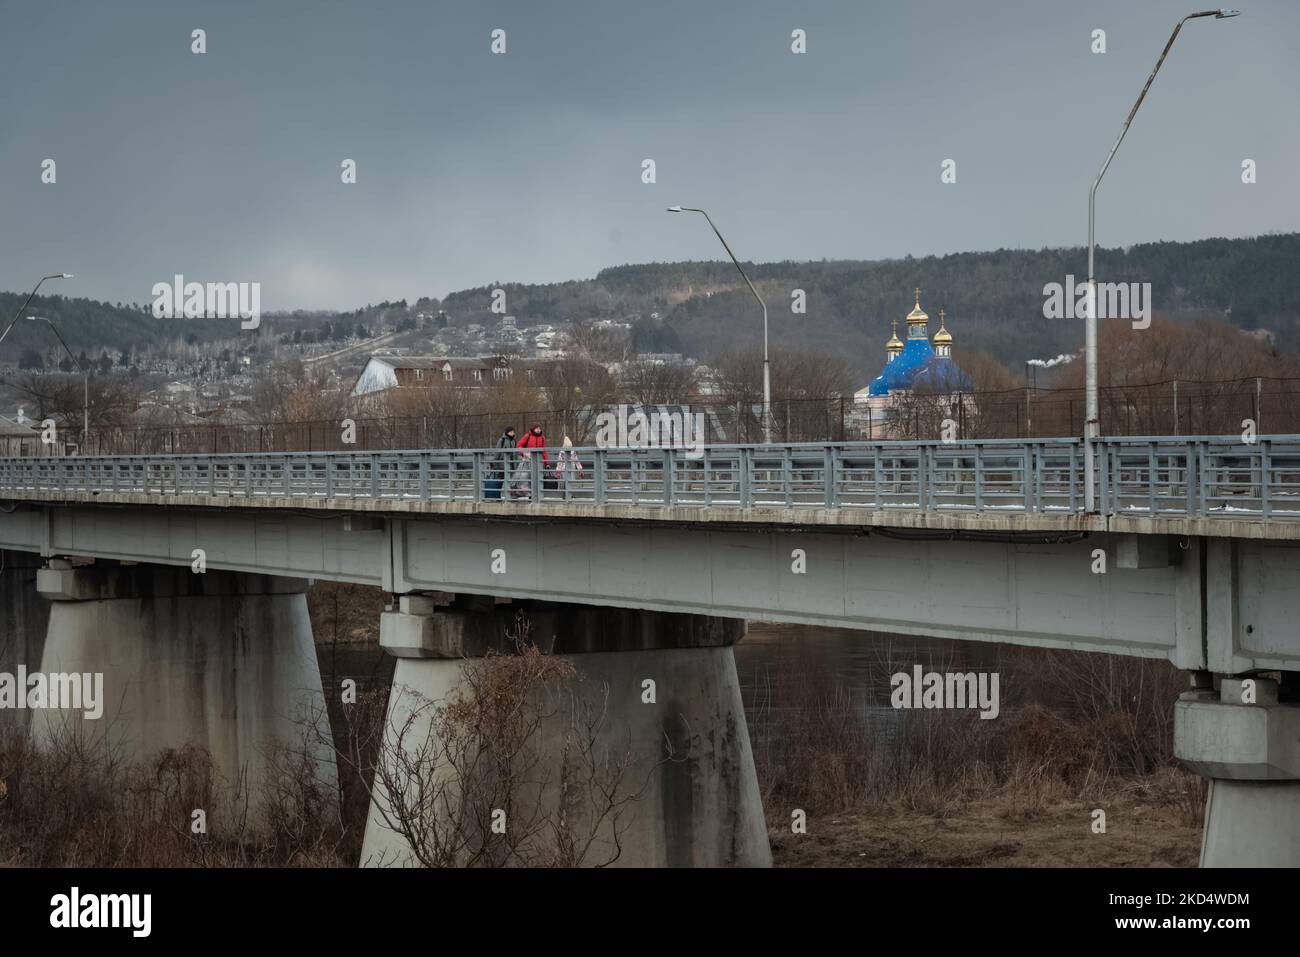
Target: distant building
[[382, 373], [917, 365], [162, 417], [19, 440]]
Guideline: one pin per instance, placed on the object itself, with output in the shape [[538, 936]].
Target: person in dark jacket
[[500, 464], [534, 438]]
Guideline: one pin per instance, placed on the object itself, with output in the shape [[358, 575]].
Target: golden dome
[[894, 344], [917, 315], [942, 336]]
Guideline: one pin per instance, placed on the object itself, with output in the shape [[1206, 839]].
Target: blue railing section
[[1176, 476]]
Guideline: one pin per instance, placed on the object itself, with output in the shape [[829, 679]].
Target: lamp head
[[1225, 14], [674, 209]]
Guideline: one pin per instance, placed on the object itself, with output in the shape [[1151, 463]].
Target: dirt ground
[[989, 834]]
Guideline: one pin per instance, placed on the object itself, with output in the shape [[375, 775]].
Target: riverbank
[[992, 833]]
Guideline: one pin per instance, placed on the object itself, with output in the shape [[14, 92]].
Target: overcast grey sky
[[475, 168]]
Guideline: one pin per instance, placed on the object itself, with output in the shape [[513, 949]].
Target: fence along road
[[1184, 484]]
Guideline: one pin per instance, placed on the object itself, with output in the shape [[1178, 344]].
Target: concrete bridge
[[644, 564]]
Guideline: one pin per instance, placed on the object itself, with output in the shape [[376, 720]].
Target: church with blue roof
[[917, 365]]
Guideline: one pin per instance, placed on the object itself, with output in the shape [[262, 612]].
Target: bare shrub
[[508, 770]]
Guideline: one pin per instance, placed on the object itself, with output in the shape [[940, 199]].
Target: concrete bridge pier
[[24, 616], [223, 660], [1246, 739], [669, 739]]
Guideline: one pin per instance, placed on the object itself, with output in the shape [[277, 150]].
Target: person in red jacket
[[533, 439]]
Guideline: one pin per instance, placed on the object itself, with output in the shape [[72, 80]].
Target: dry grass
[[75, 802], [1106, 740], [988, 834]]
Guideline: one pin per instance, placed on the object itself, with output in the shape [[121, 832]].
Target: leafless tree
[[599, 344], [473, 780], [652, 382]]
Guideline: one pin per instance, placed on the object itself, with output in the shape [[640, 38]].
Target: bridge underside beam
[[1026, 592], [1204, 603]]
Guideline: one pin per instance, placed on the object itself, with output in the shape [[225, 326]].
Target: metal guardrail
[[1187, 476]]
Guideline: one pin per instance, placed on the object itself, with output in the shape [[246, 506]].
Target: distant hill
[[96, 326], [993, 301]]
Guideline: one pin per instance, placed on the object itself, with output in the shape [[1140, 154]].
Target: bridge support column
[[23, 621], [668, 701], [222, 660], [1247, 743]]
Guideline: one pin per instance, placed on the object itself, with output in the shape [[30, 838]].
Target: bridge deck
[[1198, 485]]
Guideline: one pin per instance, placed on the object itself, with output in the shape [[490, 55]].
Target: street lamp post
[[85, 374], [30, 296], [1092, 424], [767, 377]]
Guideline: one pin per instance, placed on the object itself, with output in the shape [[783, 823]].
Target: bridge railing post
[[787, 474], [1033, 488], [829, 462], [1152, 467], [922, 478], [745, 476], [670, 491], [1265, 467], [599, 465], [707, 484], [876, 476], [1203, 476], [1102, 464], [1115, 458]]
